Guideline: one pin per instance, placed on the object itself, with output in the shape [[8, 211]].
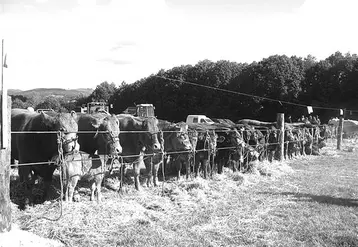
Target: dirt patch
[[17, 237]]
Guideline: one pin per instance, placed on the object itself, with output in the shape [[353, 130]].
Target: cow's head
[[228, 137], [177, 139], [150, 138], [251, 153], [207, 140], [236, 137], [289, 137], [211, 138], [272, 136], [107, 136], [67, 124], [193, 138]]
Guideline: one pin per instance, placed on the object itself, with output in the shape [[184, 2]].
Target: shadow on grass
[[305, 197]]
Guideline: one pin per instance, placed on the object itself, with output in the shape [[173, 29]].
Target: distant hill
[[58, 92]]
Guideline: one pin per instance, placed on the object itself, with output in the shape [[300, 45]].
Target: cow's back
[[38, 142], [129, 141], [19, 119], [86, 132]]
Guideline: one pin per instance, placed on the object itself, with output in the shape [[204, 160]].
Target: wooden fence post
[[340, 132], [281, 136], [5, 206]]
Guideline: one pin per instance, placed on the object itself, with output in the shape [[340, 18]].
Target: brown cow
[[139, 138], [205, 149], [40, 147], [98, 133], [229, 142], [77, 165], [176, 140]]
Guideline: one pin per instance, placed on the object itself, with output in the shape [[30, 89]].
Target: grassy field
[[307, 201]]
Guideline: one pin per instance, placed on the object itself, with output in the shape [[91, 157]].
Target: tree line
[[332, 83]]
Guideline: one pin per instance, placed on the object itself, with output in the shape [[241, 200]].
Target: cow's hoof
[[77, 198], [47, 202]]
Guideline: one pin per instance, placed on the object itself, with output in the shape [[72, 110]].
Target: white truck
[[194, 119]]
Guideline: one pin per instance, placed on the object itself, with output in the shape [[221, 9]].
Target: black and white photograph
[[178, 123]]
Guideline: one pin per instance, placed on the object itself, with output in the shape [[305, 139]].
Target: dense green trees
[[327, 83], [332, 82]]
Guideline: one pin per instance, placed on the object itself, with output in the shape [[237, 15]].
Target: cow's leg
[[149, 170], [47, 184], [71, 187], [136, 171], [67, 188], [197, 166], [26, 180], [205, 167], [270, 155], [220, 166], [98, 183], [93, 189], [155, 172], [211, 165], [178, 166], [187, 167], [121, 170], [47, 181]]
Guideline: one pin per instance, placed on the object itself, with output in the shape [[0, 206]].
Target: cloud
[[16, 6], [103, 2], [237, 5], [115, 61], [123, 44]]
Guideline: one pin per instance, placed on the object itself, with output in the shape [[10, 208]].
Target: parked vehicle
[[193, 119], [141, 110]]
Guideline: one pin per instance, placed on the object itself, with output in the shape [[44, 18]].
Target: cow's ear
[[44, 116], [184, 128], [46, 119], [221, 139], [74, 115]]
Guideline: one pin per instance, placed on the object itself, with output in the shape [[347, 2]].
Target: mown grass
[[307, 201]]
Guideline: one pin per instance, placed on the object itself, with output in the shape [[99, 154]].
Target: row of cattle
[[86, 144]]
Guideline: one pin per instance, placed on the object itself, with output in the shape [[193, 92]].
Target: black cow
[[205, 149], [229, 141], [98, 133], [176, 144], [139, 140], [37, 147]]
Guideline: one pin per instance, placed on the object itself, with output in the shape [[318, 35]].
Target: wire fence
[[243, 147], [241, 135]]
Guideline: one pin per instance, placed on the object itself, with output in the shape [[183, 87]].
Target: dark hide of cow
[[308, 136], [254, 138], [138, 138], [290, 144], [99, 133], [224, 121], [80, 165], [190, 157], [229, 142], [37, 147], [205, 148], [176, 139], [272, 143]]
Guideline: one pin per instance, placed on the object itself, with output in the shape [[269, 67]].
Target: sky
[[81, 43]]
